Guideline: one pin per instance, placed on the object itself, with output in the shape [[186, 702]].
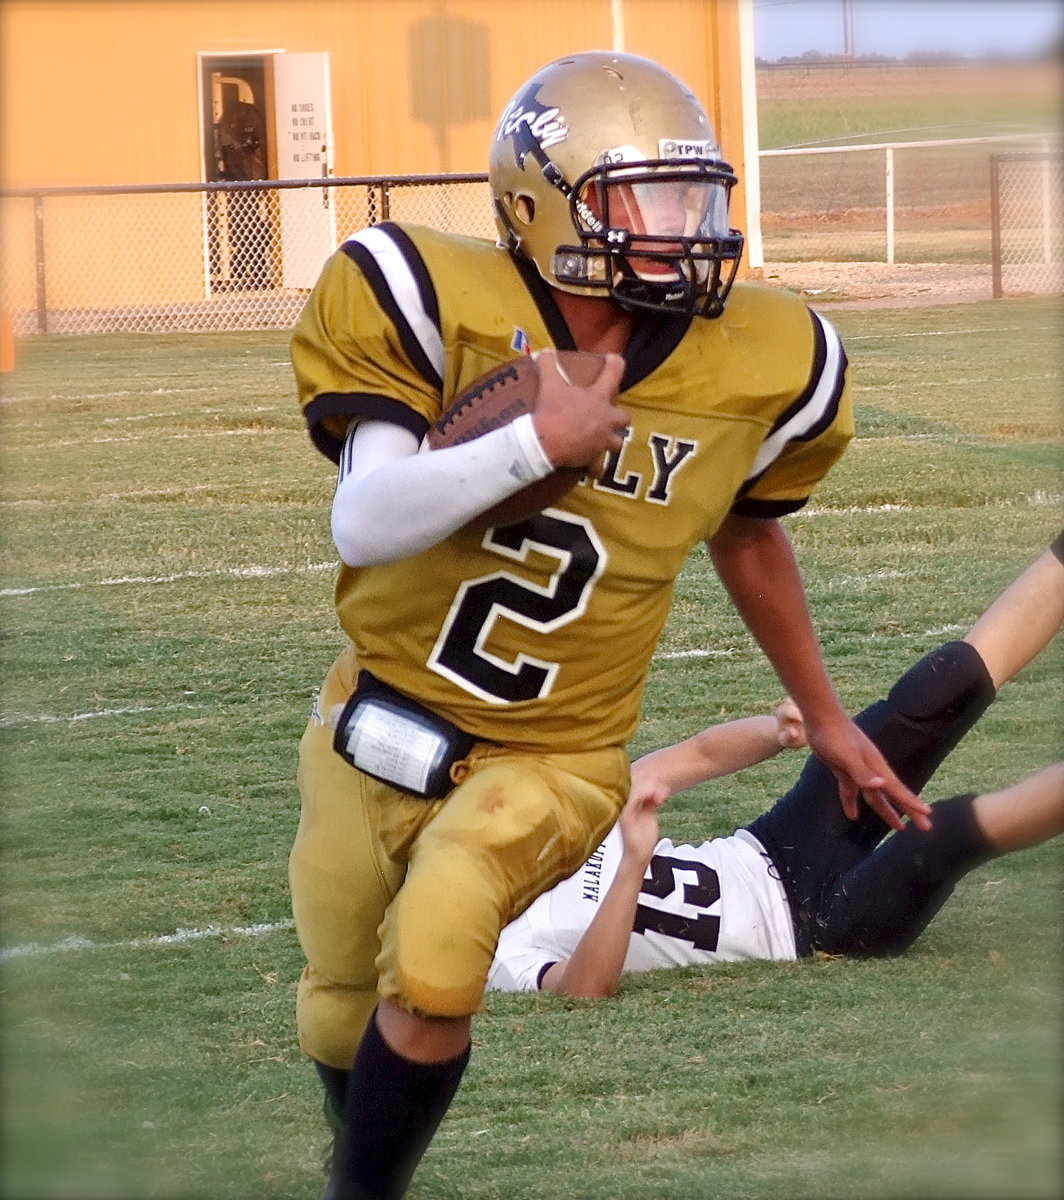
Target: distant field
[[798, 106], [833, 207]]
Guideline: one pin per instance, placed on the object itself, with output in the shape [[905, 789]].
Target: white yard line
[[921, 333], [13, 720], [670, 655], [130, 438], [179, 937], [252, 572]]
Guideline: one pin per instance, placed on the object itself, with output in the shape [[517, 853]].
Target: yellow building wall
[[99, 92]]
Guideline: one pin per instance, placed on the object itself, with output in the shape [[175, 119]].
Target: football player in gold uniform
[[467, 750]]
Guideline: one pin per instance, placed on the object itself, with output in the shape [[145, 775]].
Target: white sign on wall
[[304, 141]]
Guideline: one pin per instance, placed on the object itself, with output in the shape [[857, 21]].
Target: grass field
[[166, 604], [799, 106]]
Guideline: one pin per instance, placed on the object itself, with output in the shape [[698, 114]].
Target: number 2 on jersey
[[461, 652]]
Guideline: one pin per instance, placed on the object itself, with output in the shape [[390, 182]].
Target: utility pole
[[849, 48]]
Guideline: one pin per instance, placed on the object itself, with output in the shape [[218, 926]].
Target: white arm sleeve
[[392, 501]]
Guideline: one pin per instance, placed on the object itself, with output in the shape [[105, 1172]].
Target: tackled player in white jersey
[[800, 880]]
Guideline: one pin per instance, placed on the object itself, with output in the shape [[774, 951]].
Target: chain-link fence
[[191, 257], [1027, 223], [906, 202]]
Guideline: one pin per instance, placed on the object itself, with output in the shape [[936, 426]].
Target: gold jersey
[[539, 635]]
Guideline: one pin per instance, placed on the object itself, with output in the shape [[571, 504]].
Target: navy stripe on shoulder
[[356, 404], [839, 363], [815, 410], [426, 288], [542, 971]]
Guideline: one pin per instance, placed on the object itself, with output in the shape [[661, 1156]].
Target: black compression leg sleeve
[[883, 905], [934, 704], [392, 1110]]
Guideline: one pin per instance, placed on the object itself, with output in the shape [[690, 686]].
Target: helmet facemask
[[654, 234]]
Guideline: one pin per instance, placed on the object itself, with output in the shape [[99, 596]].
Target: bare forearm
[[757, 566], [716, 751], [598, 960]]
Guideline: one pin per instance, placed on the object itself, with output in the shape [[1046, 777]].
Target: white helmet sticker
[[674, 148]]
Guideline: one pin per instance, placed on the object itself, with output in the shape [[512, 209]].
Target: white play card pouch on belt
[[399, 741]]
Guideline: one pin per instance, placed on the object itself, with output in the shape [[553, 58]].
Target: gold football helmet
[[606, 174]]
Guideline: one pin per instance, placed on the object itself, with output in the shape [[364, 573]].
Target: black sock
[[392, 1110], [334, 1080]]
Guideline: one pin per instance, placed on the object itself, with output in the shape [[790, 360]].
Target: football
[[495, 399]]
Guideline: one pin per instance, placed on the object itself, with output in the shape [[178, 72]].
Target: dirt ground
[[881, 285], [797, 83]]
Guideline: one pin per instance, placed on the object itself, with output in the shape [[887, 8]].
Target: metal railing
[[190, 257], [919, 201]]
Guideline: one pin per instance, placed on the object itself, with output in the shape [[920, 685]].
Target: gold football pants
[[405, 898]]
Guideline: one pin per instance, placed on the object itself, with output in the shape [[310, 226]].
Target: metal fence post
[[38, 261], [995, 228]]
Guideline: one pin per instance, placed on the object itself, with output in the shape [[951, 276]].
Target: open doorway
[[237, 148]]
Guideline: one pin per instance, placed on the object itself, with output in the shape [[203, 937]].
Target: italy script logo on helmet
[[526, 120]]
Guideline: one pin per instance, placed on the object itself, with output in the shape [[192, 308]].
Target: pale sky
[[969, 28]]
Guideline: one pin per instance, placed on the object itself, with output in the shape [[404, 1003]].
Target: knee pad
[[943, 683]]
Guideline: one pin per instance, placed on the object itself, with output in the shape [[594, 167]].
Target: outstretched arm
[[716, 751], [1025, 814], [1024, 619], [756, 564]]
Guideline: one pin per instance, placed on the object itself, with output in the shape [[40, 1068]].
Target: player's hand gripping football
[[862, 771], [579, 426]]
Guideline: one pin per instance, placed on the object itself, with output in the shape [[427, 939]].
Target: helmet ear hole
[[525, 208]]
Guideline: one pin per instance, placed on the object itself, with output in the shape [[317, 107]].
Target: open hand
[[863, 772]]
